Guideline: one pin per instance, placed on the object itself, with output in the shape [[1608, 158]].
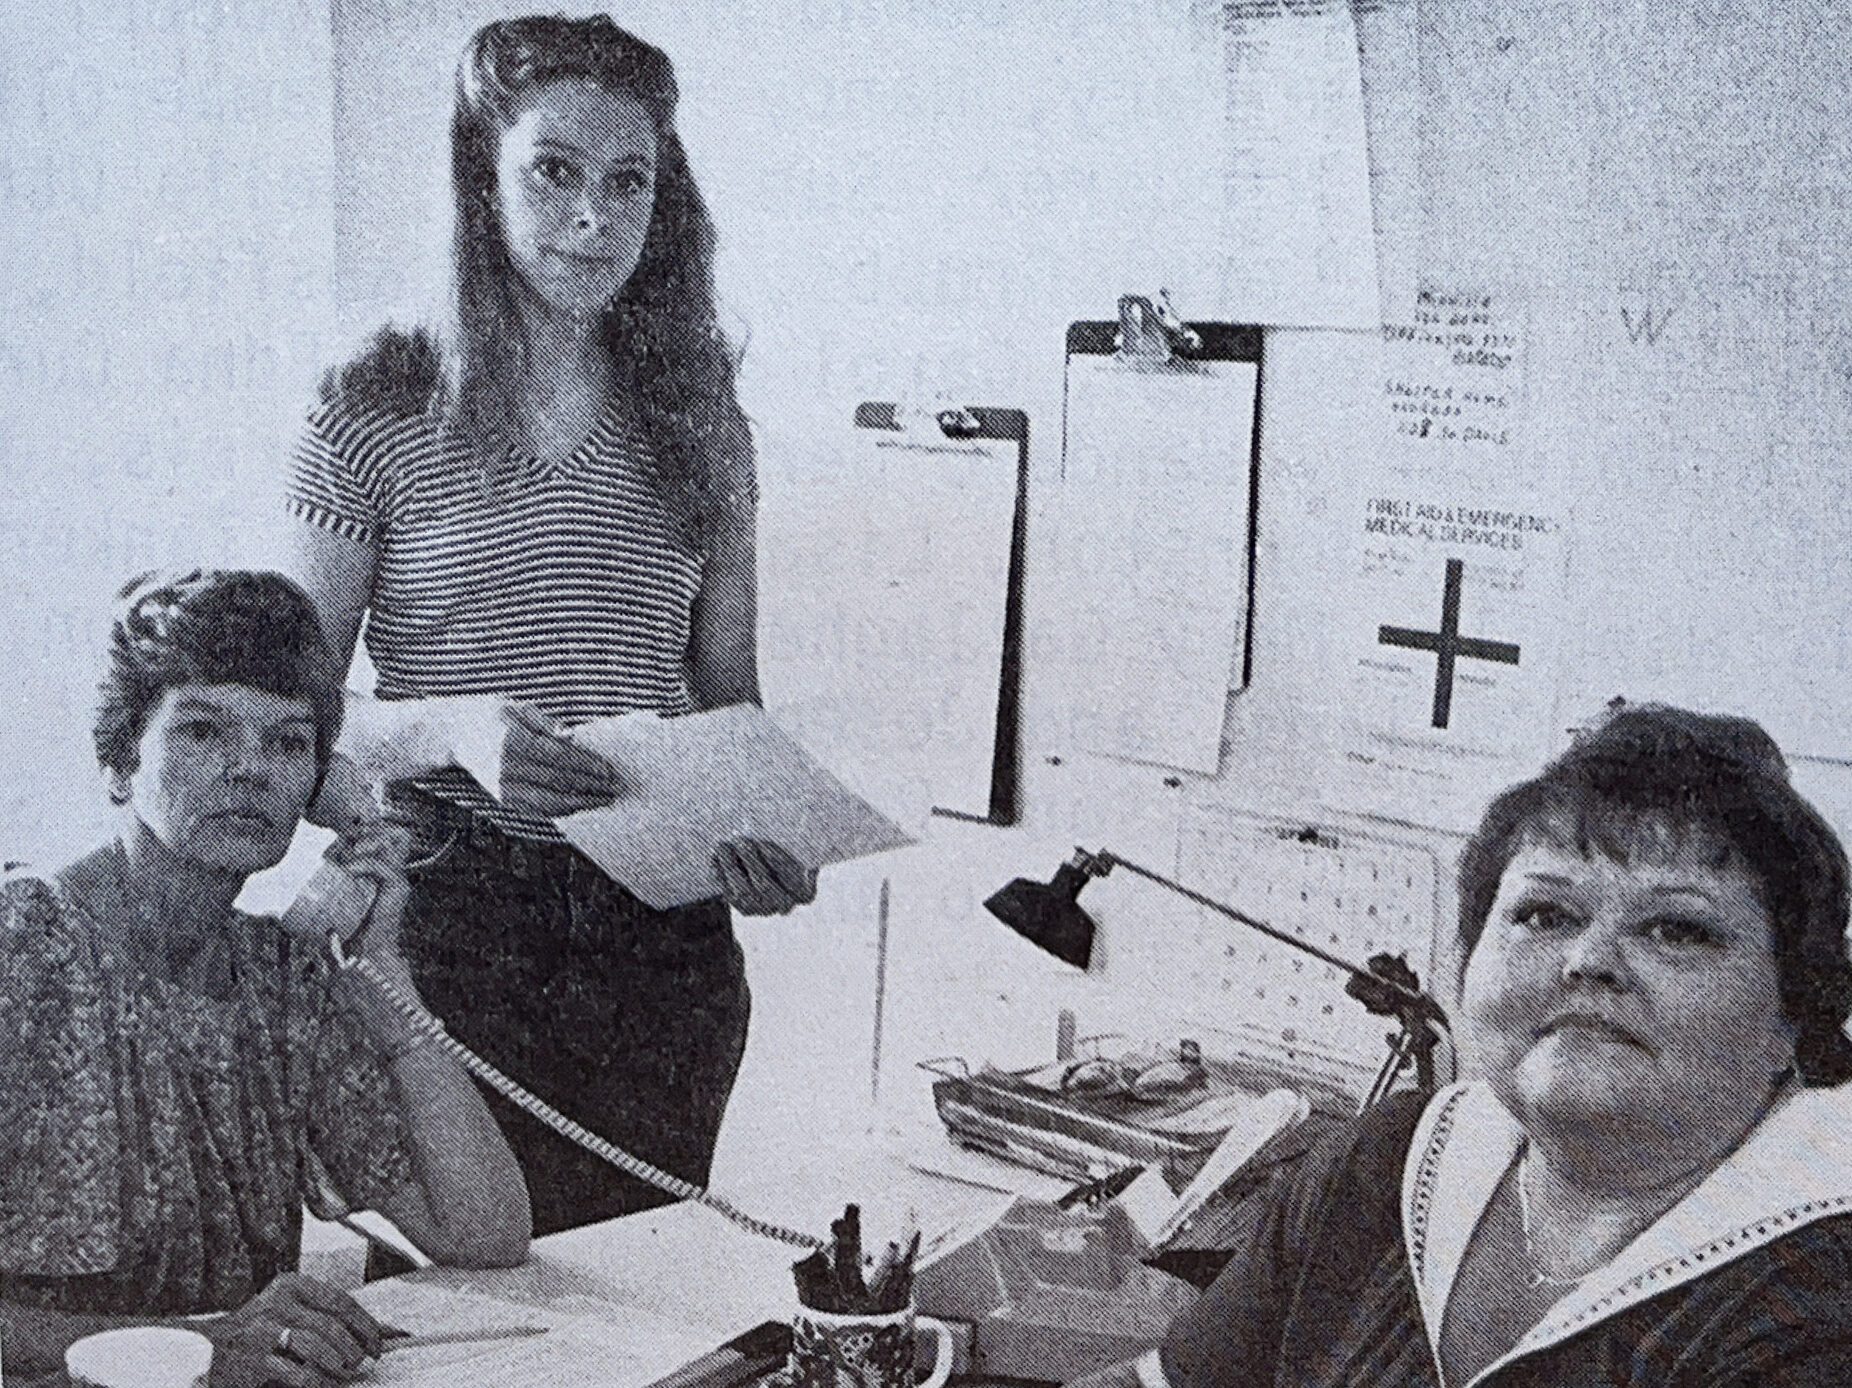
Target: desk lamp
[[1050, 914]]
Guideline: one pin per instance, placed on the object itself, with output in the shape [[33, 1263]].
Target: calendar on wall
[[1351, 894]]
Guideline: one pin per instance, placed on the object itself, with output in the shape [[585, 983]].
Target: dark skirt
[[629, 1020]]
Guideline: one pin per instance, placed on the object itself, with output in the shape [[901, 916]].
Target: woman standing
[[554, 502]]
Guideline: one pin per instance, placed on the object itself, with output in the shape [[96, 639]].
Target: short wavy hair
[[1724, 780], [211, 626]]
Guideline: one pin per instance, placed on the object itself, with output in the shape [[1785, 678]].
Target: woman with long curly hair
[[552, 500]]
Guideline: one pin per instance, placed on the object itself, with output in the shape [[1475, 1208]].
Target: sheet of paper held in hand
[[696, 781]]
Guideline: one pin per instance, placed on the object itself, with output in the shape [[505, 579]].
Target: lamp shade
[[1049, 913]]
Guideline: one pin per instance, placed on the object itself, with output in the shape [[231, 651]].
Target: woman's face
[[225, 773], [575, 184], [1628, 1002]]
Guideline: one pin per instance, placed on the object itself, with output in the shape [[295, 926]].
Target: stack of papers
[[590, 1344], [1158, 1215], [690, 784]]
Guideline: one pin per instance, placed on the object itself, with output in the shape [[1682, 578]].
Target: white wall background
[[205, 202], [911, 199], [167, 234]]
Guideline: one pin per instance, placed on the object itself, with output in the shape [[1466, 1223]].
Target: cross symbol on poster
[[1448, 644]]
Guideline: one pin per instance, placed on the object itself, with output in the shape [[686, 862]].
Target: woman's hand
[[545, 774], [759, 878], [374, 852], [297, 1332]]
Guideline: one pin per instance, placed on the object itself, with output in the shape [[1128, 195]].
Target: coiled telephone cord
[[553, 1118]]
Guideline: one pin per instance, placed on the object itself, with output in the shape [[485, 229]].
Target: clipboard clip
[[1150, 333], [953, 421]]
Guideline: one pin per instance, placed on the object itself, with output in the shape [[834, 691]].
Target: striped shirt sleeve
[[325, 487]]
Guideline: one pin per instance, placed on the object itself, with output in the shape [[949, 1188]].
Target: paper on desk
[[695, 782], [1158, 1215], [623, 1348]]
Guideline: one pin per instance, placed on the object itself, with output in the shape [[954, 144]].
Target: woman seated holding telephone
[[1649, 1181], [177, 1077]]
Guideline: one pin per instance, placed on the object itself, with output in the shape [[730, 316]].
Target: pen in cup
[[837, 1279]]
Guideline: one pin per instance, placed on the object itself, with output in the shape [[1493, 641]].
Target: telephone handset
[[332, 904], [332, 907]]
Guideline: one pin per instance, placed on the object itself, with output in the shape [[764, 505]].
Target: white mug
[[140, 1356]]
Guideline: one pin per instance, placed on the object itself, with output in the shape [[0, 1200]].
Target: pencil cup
[[832, 1350], [140, 1356]]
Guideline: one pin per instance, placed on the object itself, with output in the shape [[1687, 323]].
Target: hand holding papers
[[696, 782], [758, 878], [544, 772], [394, 739], [649, 799]]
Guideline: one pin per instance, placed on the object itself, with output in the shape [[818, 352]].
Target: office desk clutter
[[1053, 1288], [840, 1279], [1090, 1117], [1050, 914]]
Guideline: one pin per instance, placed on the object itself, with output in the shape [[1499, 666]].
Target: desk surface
[[624, 1303], [627, 1301]]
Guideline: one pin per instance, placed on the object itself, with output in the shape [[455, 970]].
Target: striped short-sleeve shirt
[[563, 584]]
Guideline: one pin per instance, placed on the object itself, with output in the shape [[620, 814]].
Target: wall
[[166, 176], [913, 204], [1655, 198]]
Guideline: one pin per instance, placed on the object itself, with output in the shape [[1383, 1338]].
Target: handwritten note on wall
[[1453, 375], [1449, 650]]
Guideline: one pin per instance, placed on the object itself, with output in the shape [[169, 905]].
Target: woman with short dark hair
[[1649, 1180], [177, 1077]]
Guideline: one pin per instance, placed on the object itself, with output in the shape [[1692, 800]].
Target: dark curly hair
[[1720, 778], [662, 328], [211, 626]]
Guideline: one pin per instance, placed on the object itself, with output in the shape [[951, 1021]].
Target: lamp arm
[[1412, 1002], [1379, 989], [1099, 864]]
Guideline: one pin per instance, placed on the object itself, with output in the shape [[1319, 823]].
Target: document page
[[1296, 176], [881, 641], [1155, 519], [475, 1341], [692, 783]]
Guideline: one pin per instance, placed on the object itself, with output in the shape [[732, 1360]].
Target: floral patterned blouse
[[157, 1145]]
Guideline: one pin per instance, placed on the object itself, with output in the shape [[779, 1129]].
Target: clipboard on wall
[[1160, 474], [891, 623]]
